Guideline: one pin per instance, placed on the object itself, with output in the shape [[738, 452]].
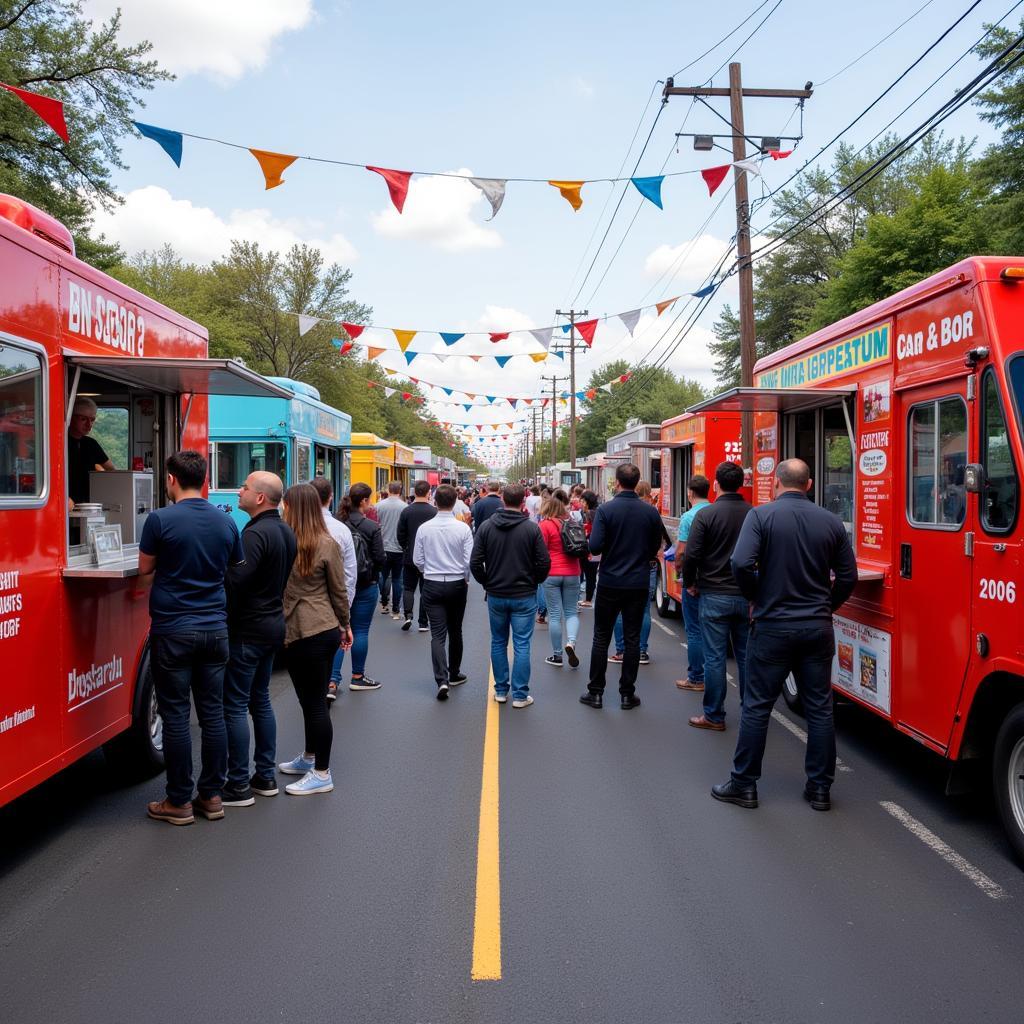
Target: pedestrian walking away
[[509, 561], [591, 563], [794, 563], [391, 577], [316, 613], [369, 549], [724, 612], [255, 634], [442, 552], [627, 535], [697, 490], [566, 542], [187, 547], [485, 506], [412, 518]]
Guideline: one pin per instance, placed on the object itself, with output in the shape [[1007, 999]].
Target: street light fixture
[[703, 143]]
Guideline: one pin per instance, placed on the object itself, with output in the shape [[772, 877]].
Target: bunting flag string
[[46, 107]]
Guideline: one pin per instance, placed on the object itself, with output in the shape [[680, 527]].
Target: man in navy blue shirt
[[189, 546]]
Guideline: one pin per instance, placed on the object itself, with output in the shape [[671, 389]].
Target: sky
[[528, 90]]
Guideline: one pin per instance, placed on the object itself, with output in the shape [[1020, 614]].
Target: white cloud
[[222, 38], [689, 263], [581, 87], [438, 211], [151, 217]]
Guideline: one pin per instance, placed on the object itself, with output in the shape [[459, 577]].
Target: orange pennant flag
[[273, 165], [372, 353], [538, 357], [570, 192], [662, 306], [404, 337]]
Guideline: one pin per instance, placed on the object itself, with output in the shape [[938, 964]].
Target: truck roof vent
[[34, 220], [298, 386]]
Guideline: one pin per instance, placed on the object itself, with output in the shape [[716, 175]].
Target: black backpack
[[365, 572], [574, 538]]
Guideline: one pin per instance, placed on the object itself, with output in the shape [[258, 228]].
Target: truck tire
[[139, 750], [1008, 778], [661, 599], [791, 695]]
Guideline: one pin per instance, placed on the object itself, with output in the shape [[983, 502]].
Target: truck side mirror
[[974, 478]]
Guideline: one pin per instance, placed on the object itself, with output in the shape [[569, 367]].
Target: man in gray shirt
[[389, 512]]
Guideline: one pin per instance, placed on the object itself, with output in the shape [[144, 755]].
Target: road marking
[[663, 627], [947, 853], [487, 915]]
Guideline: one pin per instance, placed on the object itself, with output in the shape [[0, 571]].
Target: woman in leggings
[[316, 620]]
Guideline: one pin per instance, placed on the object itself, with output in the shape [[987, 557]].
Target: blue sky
[[533, 90]]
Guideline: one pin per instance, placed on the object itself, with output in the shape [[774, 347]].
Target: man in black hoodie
[[510, 560]]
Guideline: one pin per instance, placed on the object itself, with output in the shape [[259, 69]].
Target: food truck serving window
[[234, 461], [937, 433], [22, 440]]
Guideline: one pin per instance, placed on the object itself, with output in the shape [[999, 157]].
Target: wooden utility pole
[[748, 336], [554, 415], [571, 315]]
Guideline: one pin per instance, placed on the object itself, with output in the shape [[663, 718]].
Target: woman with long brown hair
[[562, 587], [316, 624]]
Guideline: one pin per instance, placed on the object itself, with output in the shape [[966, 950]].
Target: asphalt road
[[627, 893]]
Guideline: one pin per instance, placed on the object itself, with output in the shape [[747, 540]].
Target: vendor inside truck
[[85, 455]]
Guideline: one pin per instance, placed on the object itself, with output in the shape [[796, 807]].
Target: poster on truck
[[861, 666]]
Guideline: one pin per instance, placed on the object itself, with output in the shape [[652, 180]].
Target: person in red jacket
[[562, 587]]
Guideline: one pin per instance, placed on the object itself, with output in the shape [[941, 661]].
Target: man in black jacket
[[485, 507], [255, 632], [412, 518], [627, 534], [724, 612], [784, 560], [510, 560]]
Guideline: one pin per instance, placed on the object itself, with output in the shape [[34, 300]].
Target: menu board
[[874, 471], [862, 663], [766, 455]]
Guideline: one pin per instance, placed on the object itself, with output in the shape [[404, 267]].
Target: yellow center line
[[487, 915]]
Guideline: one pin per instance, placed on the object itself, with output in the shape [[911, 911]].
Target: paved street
[[626, 893]]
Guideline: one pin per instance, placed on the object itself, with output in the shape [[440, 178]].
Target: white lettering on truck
[[105, 320], [11, 601], [84, 685], [950, 330]]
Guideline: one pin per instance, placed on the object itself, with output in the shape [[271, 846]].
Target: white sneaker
[[525, 703], [501, 698], [309, 784], [296, 766]]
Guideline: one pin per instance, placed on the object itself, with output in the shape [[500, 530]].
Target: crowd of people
[[305, 583]]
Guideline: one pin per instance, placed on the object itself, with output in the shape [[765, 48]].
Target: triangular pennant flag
[[542, 335], [625, 377], [404, 337], [779, 154], [447, 391], [406, 395], [586, 329], [650, 188], [398, 184], [538, 357], [703, 293], [450, 339], [493, 190], [476, 359], [306, 322], [591, 393], [566, 328], [170, 142], [466, 407], [410, 356], [580, 395], [388, 392], [353, 330], [561, 355], [570, 192], [662, 306], [512, 402], [372, 384], [751, 165], [49, 109], [501, 361], [273, 165], [630, 319], [499, 337], [607, 387], [544, 402], [490, 398], [714, 176], [345, 346], [372, 353], [466, 393]]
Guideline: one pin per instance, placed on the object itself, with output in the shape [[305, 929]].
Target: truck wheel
[[1008, 778], [139, 751], [661, 599], [791, 695]]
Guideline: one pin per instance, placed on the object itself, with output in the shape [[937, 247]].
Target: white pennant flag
[[630, 319], [751, 165], [388, 392], [493, 190], [542, 336], [607, 387], [305, 322]]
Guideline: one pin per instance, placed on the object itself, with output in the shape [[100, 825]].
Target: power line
[[697, 60], [745, 41]]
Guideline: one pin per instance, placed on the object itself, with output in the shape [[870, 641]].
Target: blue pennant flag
[[650, 188], [450, 339], [467, 407], [448, 391], [490, 398], [704, 292], [561, 355], [566, 328], [580, 395], [502, 360], [410, 356], [168, 141]]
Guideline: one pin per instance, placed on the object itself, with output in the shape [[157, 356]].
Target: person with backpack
[[369, 549], [566, 541], [590, 502]]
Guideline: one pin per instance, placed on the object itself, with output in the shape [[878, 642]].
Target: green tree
[[47, 46]]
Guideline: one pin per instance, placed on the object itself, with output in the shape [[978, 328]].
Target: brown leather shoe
[[685, 684], [212, 809], [700, 722], [164, 810]]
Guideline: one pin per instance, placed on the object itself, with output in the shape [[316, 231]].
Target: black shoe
[[458, 679], [263, 787], [817, 796], [592, 700], [570, 653], [629, 701], [237, 796], [554, 659], [645, 658], [732, 793], [423, 629], [442, 692], [407, 625]]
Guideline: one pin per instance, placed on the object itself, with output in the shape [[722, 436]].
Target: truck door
[[933, 600]]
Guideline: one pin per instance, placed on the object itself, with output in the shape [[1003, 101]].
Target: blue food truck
[[297, 438]]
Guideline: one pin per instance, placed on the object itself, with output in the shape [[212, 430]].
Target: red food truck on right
[[909, 414]]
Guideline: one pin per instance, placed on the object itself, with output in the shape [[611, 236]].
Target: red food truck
[[690, 444], [73, 614], [910, 414]]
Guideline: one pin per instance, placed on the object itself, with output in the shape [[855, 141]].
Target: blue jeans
[[722, 616], [184, 663], [391, 580], [694, 640], [247, 692], [562, 594], [542, 601], [517, 614], [645, 629], [361, 613]]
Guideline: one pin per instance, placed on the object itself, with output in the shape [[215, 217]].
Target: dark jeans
[[446, 608], [247, 692], [610, 604], [361, 613], [694, 639], [391, 579], [309, 665], [184, 663], [723, 616], [776, 649], [590, 578], [411, 579]]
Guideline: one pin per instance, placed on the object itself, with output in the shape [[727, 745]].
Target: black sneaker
[[263, 787], [645, 658], [442, 692], [458, 679], [407, 625], [570, 653], [553, 659], [364, 683], [237, 796], [423, 629]]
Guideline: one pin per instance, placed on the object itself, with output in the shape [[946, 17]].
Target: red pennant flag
[[714, 176], [779, 154], [353, 330], [500, 337], [625, 377], [398, 184], [586, 329], [590, 395], [347, 347], [49, 109], [406, 395], [371, 384]]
